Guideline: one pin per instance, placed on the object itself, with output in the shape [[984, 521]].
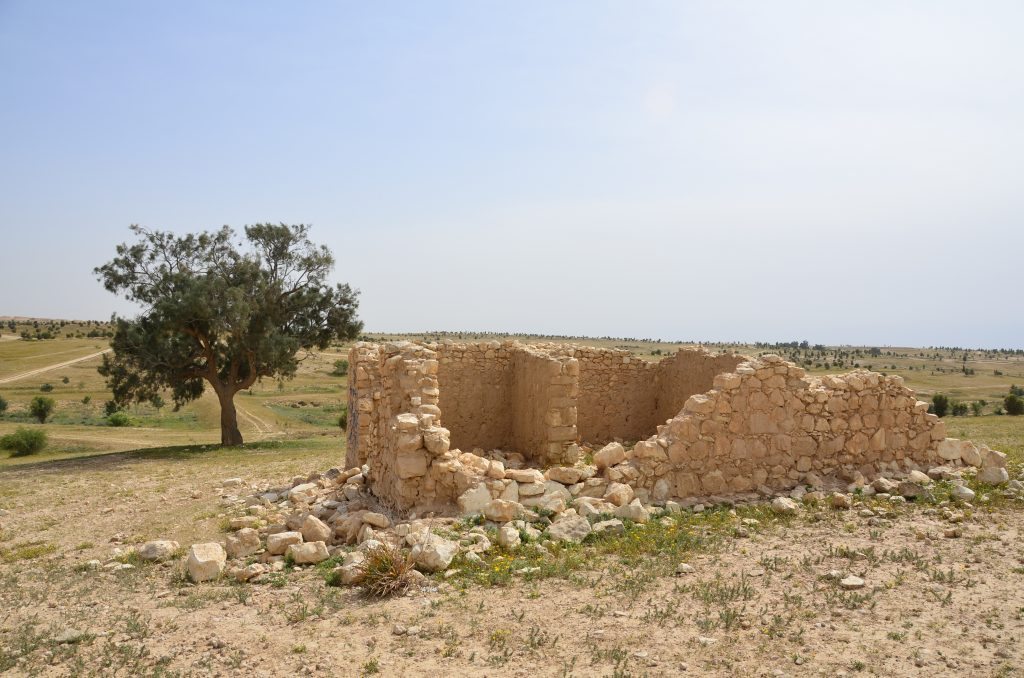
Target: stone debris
[[852, 583], [159, 550], [206, 561]]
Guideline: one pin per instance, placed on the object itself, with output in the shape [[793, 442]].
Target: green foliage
[[340, 368], [41, 408], [1017, 390], [940, 405], [110, 407], [119, 419], [86, 400], [1014, 404], [3, 404], [218, 314], [343, 417], [157, 402], [977, 406], [24, 441], [46, 388], [65, 380], [958, 409]]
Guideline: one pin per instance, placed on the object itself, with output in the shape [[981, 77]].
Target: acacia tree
[[213, 312]]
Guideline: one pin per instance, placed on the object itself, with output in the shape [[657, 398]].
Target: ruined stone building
[[437, 423]]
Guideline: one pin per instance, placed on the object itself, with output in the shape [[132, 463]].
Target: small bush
[[118, 419], [41, 408], [24, 441], [343, 418], [86, 400], [46, 388], [385, 572], [940, 405], [110, 407], [3, 404], [340, 368], [959, 409], [65, 380], [1014, 405]]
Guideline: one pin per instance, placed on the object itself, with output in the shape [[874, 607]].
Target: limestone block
[[278, 543], [610, 455], [243, 543], [206, 561], [473, 500], [308, 553], [411, 464]]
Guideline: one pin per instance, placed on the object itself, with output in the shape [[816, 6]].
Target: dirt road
[[56, 366]]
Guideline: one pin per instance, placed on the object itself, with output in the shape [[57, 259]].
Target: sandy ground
[[758, 605]]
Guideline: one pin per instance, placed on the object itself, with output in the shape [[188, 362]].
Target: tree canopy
[[219, 311]]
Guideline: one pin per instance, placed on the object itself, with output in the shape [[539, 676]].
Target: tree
[[1014, 404], [3, 404], [41, 408], [940, 404], [213, 313]]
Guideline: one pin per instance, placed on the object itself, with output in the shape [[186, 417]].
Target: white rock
[[619, 494], [784, 506], [850, 583], [613, 526], [509, 537], [948, 449], [206, 561], [376, 519], [309, 553], [158, 550], [610, 455], [473, 500], [501, 511], [633, 511], [314, 529], [993, 475], [525, 475], [243, 543], [278, 543], [565, 475], [919, 478], [569, 528], [962, 493], [435, 554]]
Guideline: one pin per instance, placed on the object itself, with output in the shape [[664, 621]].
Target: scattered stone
[[610, 455], [633, 511], [70, 637], [159, 550], [377, 520], [613, 526], [919, 478], [569, 528], [619, 494], [434, 554], [278, 543], [993, 475], [309, 553], [841, 501], [565, 475], [852, 583], [243, 543], [473, 500], [684, 568], [509, 537], [962, 493], [909, 490], [314, 529], [502, 511], [206, 561], [784, 506]]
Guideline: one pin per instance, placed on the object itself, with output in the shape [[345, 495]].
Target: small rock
[[377, 520], [840, 500], [784, 506], [155, 551], [308, 553], [243, 543], [613, 526], [684, 568], [509, 537], [278, 543], [569, 528], [852, 583], [206, 561], [434, 554], [962, 493]]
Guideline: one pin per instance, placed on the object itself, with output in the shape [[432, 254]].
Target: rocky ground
[[901, 576]]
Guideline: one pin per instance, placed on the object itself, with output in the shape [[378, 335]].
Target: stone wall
[[768, 425], [475, 382], [755, 424], [625, 398]]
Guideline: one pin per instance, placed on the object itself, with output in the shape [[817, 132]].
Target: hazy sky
[[837, 172]]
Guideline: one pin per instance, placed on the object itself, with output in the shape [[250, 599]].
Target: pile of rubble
[[333, 514]]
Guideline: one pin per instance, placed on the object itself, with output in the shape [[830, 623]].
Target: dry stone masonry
[[494, 427]]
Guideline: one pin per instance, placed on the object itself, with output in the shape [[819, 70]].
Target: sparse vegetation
[[41, 408], [24, 441]]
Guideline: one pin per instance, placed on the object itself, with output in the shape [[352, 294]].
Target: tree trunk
[[230, 436]]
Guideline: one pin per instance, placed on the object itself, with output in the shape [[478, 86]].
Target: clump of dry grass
[[385, 571]]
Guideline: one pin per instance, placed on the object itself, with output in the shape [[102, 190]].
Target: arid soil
[[768, 603]]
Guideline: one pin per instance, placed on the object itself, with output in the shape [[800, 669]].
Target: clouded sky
[[837, 172]]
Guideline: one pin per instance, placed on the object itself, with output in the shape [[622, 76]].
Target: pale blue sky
[[837, 172]]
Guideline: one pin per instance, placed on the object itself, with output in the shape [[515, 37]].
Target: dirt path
[[40, 370], [263, 429]]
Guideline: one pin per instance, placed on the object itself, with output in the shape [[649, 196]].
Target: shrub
[[343, 419], [24, 441], [340, 368], [65, 380], [1014, 404], [959, 409], [110, 407], [3, 404], [385, 571], [46, 388], [86, 400], [940, 405], [118, 419], [41, 408], [977, 406]]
